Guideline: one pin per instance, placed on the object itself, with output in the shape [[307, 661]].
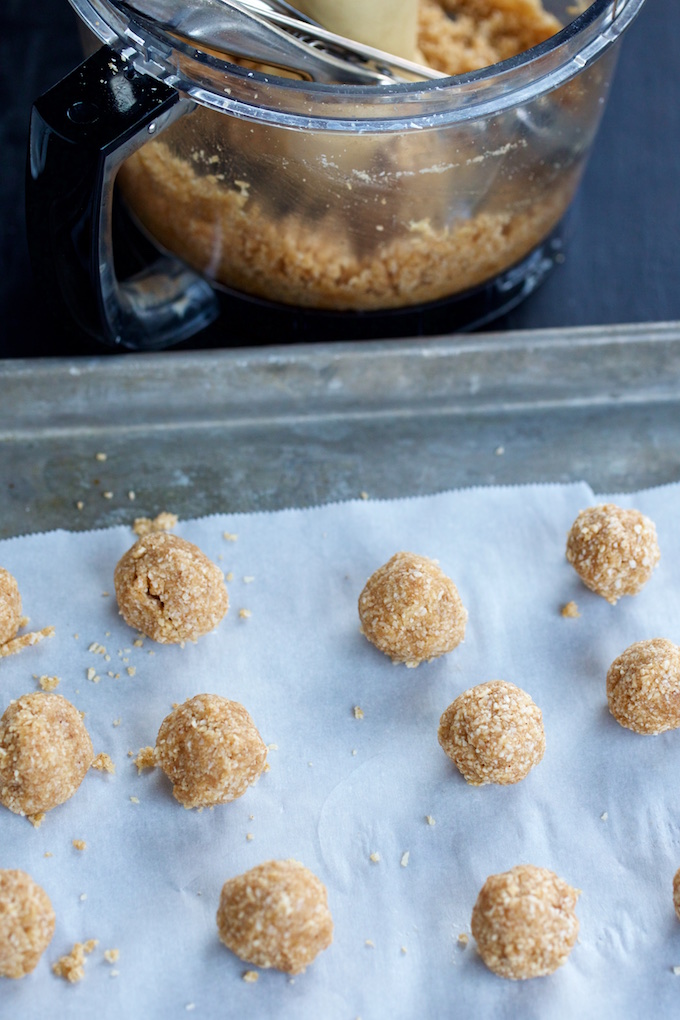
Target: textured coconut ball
[[524, 922], [676, 893], [10, 606], [643, 686], [275, 915], [210, 750], [411, 610], [167, 588], [613, 551], [45, 752], [26, 923], [493, 733]]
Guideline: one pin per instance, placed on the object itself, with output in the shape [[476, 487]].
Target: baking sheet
[[601, 809]]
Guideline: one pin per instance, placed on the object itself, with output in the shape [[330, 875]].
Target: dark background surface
[[622, 261]]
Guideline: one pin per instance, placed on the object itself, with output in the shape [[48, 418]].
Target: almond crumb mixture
[[250, 976], [245, 614], [111, 955], [164, 521], [103, 763], [131, 670], [71, 967], [570, 611], [79, 844], [463, 939], [374, 857]]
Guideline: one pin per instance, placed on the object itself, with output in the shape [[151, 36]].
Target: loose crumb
[[134, 800], [363, 495], [71, 966], [132, 496], [100, 456], [82, 897], [375, 857], [164, 521], [79, 504], [108, 494], [146, 759], [103, 763], [463, 939], [244, 614], [17, 644], [229, 536], [111, 955], [131, 670], [229, 576], [47, 853], [405, 858], [404, 950], [370, 943], [49, 683], [358, 712], [116, 722], [430, 820], [570, 611], [249, 836], [499, 451], [79, 844], [37, 819], [251, 976], [604, 816], [248, 579]]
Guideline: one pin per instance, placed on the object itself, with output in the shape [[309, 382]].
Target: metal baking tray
[[271, 427]]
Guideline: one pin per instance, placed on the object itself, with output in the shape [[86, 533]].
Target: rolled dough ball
[[210, 750], [26, 923], [613, 551], [275, 915], [45, 752], [524, 922], [676, 893], [10, 606], [411, 610], [643, 686], [493, 733], [168, 589]]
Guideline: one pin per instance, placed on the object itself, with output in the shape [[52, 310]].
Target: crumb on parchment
[[103, 763], [146, 759], [570, 611], [111, 955], [79, 844], [71, 967]]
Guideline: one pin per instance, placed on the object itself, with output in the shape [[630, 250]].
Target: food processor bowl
[[361, 205]]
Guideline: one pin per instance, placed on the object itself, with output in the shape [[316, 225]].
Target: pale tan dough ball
[[275, 915], [676, 893], [45, 752], [168, 589], [613, 551], [210, 750], [411, 610], [643, 686], [10, 606], [524, 922], [26, 923], [493, 733]]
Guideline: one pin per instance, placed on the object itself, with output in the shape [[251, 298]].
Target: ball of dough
[[168, 589], [493, 733], [411, 610], [524, 922], [45, 752], [26, 923], [643, 686], [210, 750], [10, 606], [613, 551], [275, 915], [676, 893]]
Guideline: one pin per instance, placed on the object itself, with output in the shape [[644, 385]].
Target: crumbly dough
[[168, 589], [72, 966], [524, 922], [26, 923], [614, 551], [411, 610], [395, 241], [493, 733], [10, 606], [11, 619], [210, 750], [643, 686], [676, 893], [275, 915], [45, 752]]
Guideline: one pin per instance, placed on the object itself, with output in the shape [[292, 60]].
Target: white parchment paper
[[602, 809]]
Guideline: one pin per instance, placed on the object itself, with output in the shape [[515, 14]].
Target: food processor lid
[[210, 78]]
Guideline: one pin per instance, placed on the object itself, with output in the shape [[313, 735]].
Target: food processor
[[293, 183]]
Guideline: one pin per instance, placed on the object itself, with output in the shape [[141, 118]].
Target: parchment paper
[[602, 809]]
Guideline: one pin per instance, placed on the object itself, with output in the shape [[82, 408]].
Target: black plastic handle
[[81, 132]]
